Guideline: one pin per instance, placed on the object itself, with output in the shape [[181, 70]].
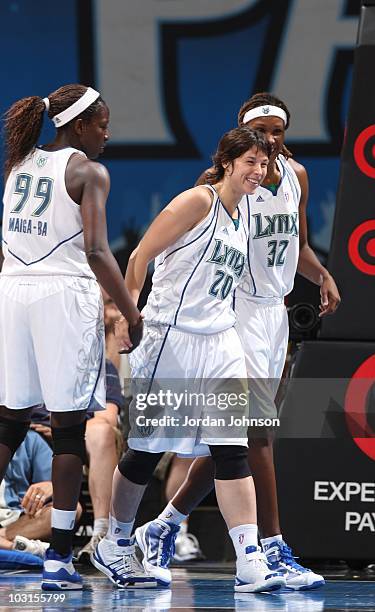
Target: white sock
[[171, 515], [63, 519], [242, 537], [118, 530], [267, 541], [100, 526]]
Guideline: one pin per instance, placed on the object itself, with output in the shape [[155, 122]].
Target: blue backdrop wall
[[175, 74]]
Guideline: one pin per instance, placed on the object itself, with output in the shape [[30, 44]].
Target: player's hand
[[136, 332], [329, 296], [36, 496], [128, 336], [122, 335], [42, 429]]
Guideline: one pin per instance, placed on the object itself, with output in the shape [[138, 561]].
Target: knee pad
[[231, 462], [12, 433], [138, 466], [70, 440]]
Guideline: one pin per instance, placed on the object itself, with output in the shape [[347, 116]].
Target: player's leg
[[253, 326], [265, 337], [235, 494], [19, 382], [114, 555], [14, 425], [103, 457], [160, 534], [68, 337]]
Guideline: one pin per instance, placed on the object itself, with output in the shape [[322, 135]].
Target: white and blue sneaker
[[118, 561], [254, 575], [59, 573], [156, 540], [298, 578]]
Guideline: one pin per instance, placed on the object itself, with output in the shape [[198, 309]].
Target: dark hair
[[232, 145], [261, 99], [24, 119]]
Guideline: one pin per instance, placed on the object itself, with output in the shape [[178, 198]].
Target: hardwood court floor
[[199, 586]]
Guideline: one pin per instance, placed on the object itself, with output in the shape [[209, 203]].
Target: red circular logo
[[353, 247], [359, 151], [355, 407]]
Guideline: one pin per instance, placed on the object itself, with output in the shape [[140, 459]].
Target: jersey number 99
[[43, 190]]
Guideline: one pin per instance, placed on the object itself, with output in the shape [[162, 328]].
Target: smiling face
[[247, 171], [94, 133], [273, 130]]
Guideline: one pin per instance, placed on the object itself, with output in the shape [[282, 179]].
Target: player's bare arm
[[182, 214], [95, 187], [309, 265]]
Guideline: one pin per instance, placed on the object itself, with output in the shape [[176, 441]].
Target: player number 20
[[43, 190], [222, 285]]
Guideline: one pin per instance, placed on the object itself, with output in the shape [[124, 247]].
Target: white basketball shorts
[[205, 376], [264, 332], [52, 343]]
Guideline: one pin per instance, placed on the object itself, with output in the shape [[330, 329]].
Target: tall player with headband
[[278, 247], [51, 320]]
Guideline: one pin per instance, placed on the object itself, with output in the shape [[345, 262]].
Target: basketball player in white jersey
[[51, 321], [278, 247], [200, 245]]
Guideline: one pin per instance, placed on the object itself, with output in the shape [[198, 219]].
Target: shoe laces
[[127, 563], [95, 539], [286, 556], [257, 558]]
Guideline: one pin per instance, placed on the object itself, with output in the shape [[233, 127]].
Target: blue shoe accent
[[160, 543], [120, 564], [59, 573], [298, 578], [156, 540], [278, 552]]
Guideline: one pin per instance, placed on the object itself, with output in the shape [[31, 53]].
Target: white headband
[[77, 108], [46, 103], [265, 111]]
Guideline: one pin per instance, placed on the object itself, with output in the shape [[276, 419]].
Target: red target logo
[[355, 407], [361, 245], [362, 150]]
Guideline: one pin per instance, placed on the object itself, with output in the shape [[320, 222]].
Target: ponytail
[[23, 124]]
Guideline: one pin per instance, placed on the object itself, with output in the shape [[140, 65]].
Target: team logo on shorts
[[145, 430], [287, 197], [41, 161], [241, 538]]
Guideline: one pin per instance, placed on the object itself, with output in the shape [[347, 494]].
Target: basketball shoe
[[118, 561], [254, 575], [59, 573], [35, 547], [186, 546], [156, 540], [298, 578]]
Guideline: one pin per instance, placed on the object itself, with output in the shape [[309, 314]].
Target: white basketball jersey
[[42, 225], [273, 237], [194, 278]]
